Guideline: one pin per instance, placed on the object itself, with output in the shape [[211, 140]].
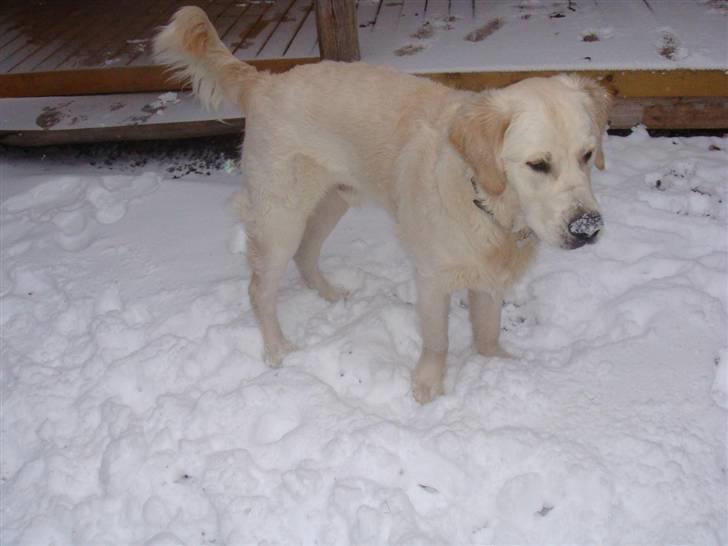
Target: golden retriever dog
[[473, 180]]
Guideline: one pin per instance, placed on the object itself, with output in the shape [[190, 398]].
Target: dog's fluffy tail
[[191, 47]]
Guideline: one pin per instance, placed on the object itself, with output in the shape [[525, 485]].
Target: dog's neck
[[482, 201]]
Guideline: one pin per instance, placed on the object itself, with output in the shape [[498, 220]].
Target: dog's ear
[[477, 134], [601, 103]]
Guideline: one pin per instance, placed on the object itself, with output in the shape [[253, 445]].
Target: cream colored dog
[[473, 180]]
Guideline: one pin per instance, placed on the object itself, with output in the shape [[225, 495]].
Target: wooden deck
[[665, 61], [54, 35], [72, 47]]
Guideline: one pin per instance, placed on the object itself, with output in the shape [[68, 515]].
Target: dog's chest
[[486, 261], [488, 246]]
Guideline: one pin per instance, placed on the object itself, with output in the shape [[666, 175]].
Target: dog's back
[[352, 117]]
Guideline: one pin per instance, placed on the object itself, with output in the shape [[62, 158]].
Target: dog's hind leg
[[270, 248], [320, 224], [275, 224]]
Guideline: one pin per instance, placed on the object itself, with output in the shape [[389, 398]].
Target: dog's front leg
[[485, 318], [433, 303]]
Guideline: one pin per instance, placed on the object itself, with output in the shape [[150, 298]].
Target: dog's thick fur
[[473, 180]]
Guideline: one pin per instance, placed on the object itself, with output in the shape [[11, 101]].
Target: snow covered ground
[[136, 408]]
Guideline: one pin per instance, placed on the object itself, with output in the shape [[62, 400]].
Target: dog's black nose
[[586, 226]]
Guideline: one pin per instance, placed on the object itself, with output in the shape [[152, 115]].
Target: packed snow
[[136, 408]]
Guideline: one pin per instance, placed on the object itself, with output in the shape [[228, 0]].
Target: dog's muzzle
[[584, 229]]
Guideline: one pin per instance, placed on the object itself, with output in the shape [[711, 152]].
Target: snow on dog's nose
[[584, 228]]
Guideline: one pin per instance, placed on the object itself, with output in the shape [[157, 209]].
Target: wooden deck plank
[[122, 39], [32, 30], [131, 79], [157, 131], [10, 12], [13, 55], [100, 21], [413, 15], [137, 42], [304, 39], [291, 18], [384, 32], [118, 43], [12, 34], [252, 27], [227, 20], [249, 40], [622, 83], [388, 18], [630, 83], [157, 17], [232, 33], [367, 12], [107, 45], [46, 43], [48, 47]]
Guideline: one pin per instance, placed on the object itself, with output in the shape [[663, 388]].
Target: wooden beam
[[670, 113], [338, 33], [151, 131], [654, 113], [623, 83], [99, 81]]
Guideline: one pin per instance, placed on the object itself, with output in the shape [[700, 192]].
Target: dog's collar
[[480, 203], [521, 235]]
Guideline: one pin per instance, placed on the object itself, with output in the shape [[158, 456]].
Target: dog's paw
[[427, 381], [324, 288], [333, 293], [424, 392], [495, 352], [274, 356]]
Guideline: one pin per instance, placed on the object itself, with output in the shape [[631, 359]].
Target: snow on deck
[[59, 113], [460, 36], [413, 35], [136, 408]]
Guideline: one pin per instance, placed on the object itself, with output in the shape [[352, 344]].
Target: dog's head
[[541, 137]]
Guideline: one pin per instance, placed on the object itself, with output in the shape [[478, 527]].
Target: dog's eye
[[539, 166], [587, 156]]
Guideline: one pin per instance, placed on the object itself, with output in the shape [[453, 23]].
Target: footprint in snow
[[670, 47], [112, 196], [680, 189], [597, 34]]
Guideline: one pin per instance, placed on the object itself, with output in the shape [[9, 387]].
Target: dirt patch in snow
[[409, 49], [480, 34], [424, 32]]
